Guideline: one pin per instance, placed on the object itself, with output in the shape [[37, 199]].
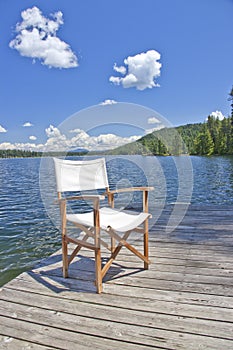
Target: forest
[[17, 153], [214, 137]]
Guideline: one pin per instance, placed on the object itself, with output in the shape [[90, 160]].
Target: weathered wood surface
[[184, 301]]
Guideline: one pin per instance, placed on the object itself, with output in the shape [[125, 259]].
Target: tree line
[[214, 137], [16, 153]]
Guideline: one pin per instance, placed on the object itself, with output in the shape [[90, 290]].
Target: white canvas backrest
[[80, 175]]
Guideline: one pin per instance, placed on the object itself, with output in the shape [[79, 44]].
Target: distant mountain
[[78, 150]]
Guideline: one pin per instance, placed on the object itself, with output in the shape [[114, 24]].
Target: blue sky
[[171, 56]]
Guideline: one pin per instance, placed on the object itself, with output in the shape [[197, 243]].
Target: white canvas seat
[[110, 218], [79, 176]]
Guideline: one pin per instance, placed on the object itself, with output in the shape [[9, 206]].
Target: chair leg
[[65, 262], [65, 257], [98, 273], [146, 244], [113, 244]]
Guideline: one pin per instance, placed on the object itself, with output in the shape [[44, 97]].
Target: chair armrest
[[130, 189], [90, 197], [85, 197], [145, 191], [94, 198]]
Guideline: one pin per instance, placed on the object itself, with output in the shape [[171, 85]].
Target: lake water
[[28, 229]]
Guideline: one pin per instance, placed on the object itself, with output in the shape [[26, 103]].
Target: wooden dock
[[185, 300]]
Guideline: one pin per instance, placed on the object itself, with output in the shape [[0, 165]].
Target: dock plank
[[184, 301], [10, 343]]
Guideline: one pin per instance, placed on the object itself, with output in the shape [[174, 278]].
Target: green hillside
[[209, 138], [213, 137]]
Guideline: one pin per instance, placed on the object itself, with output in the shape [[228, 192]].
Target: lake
[[28, 217]]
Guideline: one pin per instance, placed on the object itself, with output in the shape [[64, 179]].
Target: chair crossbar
[[115, 252], [76, 250], [90, 233], [110, 260], [81, 243], [123, 242]]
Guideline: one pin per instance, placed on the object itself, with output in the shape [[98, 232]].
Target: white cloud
[[22, 146], [109, 141], [60, 142], [217, 114], [149, 131], [108, 102], [2, 129], [120, 69], [37, 39], [153, 120], [33, 138], [6, 145], [143, 69], [27, 124], [75, 130], [52, 131]]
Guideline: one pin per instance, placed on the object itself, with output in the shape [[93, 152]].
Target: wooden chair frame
[[95, 231]]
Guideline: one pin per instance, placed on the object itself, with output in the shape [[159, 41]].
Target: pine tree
[[204, 144], [231, 99], [231, 125], [223, 144]]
